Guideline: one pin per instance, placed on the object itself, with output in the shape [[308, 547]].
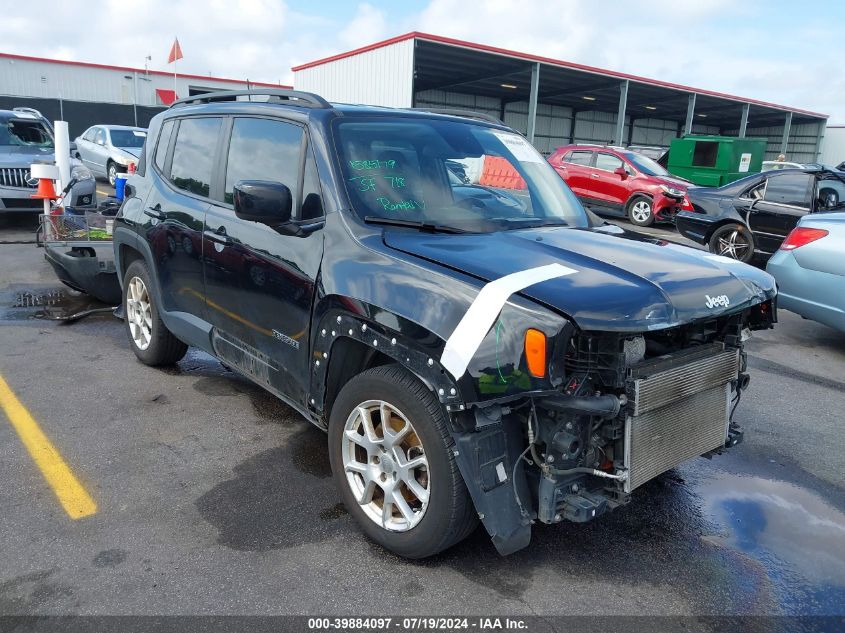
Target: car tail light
[[801, 236], [535, 352], [687, 205]]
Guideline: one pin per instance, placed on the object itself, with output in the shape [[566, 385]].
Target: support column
[[620, 114], [690, 114], [532, 101], [786, 127], [743, 122], [819, 139]]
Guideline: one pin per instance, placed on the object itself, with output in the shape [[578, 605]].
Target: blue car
[[810, 269]]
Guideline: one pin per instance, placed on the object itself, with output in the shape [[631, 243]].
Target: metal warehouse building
[[85, 94], [552, 102]]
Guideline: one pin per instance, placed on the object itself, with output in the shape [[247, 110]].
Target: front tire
[[734, 241], [641, 211], [391, 456], [151, 341]]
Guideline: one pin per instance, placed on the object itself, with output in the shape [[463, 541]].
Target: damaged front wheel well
[[348, 359]]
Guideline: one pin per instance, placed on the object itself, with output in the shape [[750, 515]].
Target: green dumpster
[[714, 161]]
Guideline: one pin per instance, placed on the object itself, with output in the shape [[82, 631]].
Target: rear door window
[[579, 157], [264, 149], [792, 189], [193, 155]]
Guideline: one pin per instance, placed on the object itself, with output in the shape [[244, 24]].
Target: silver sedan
[[810, 269], [109, 149]]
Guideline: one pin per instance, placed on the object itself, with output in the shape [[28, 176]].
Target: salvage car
[[618, 182], [809, 268], [108, 150], [469, 358], [754, 215], [26, 137]]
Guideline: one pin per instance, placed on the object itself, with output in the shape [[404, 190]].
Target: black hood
[[623, 281]]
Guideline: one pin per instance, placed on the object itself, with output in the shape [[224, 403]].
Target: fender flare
[[337, 324], [187, 327], [637, 194]]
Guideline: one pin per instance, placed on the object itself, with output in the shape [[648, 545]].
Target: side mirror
[[620, 171], [262, 201]]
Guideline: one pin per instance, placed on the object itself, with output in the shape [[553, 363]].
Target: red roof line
[[138, 70], [549, 60]]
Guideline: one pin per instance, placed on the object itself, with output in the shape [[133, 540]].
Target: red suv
[[616, 181]]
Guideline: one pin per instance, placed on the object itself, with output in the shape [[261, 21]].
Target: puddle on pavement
[[794, 534], [20, 303]]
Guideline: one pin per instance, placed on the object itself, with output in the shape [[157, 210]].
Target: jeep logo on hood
[[721, 300]]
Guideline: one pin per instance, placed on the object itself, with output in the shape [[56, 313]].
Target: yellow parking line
[[103, 193], [73, 497]]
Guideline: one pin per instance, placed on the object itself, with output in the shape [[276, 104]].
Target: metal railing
[[76, 230]]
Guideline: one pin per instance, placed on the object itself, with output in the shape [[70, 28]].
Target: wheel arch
[[718, 225], [638, 194], [346, 344]]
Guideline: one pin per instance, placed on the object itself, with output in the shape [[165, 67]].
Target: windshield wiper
[[414, 224]]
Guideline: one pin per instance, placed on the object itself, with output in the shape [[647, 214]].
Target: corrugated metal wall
[[833, 146], [382, 76], [801, 147], [555, 123], [50, 80]]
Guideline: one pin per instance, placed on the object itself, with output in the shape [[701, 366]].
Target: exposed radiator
[[679, 409]]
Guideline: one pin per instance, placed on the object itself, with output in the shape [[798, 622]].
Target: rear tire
[[734, 241], [151, 341], [369, 467], [640, 211]]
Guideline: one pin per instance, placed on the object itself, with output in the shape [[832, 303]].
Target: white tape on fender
[[479, 318]]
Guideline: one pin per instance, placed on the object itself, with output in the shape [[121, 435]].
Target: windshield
[[451, 174], [646, 165], [26, 133], [128, 138]]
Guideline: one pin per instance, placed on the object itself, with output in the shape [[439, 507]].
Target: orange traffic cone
[[45, 190]]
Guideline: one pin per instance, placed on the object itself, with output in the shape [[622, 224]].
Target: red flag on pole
[[175, 52]]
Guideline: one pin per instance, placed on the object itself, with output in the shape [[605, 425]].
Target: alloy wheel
[[734, 245], [386, 466], [139, 314], [641, 211]]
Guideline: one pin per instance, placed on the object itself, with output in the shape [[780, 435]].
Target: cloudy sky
[[780, 51]]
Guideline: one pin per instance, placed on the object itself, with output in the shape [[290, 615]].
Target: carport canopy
[[462, 67]]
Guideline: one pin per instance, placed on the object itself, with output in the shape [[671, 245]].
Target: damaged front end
[[626, 408]]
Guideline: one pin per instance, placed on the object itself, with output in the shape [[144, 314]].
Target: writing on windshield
[[381, 175], [454, 174]]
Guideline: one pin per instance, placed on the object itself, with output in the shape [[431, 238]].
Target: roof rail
[[469, 114], [294, 97], [31, 111]]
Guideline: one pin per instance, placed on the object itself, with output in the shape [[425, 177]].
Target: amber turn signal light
[[535, 352]]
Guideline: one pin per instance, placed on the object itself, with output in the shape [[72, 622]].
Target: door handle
[[218, 236], [155, 212]]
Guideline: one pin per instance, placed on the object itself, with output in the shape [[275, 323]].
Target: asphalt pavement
[[213, 497]]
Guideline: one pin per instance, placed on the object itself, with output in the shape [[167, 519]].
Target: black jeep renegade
[[424, 287]]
